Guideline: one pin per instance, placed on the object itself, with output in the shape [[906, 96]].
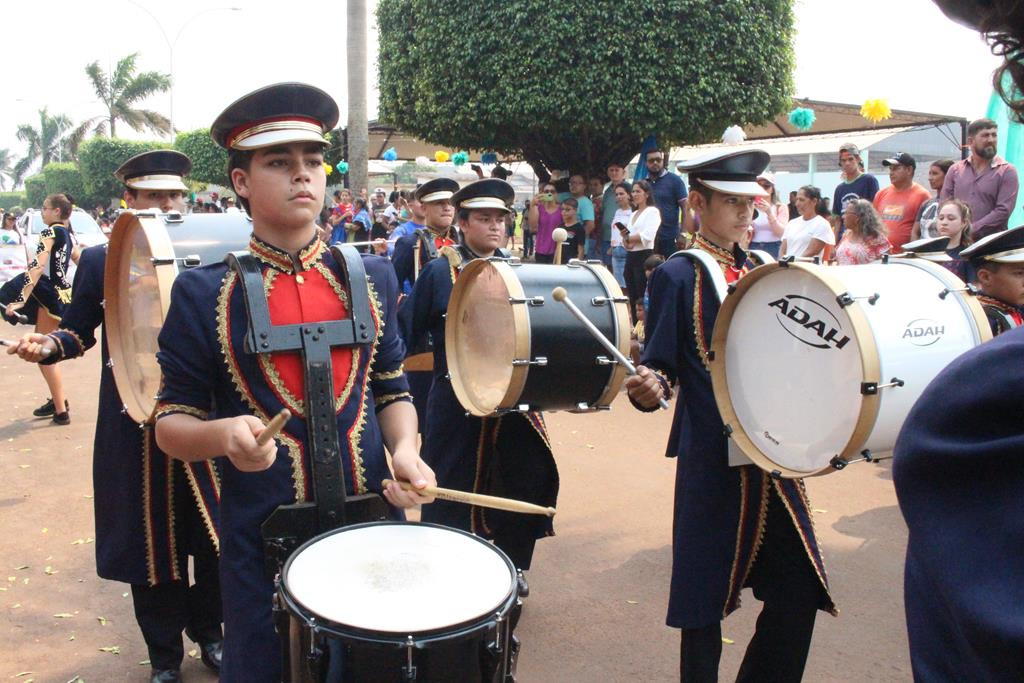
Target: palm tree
[[6, 167], [120, 91], [49, 142]]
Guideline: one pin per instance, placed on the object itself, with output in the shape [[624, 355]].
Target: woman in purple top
[[544, 218]]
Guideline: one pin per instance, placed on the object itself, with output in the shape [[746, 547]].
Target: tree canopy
[[209, 160], [577, 85], [98, 159]]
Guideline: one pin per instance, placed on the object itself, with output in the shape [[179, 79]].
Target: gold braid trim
[[224, 338], [762, 520], [328, 275], [355, 433], [698, 319], [389, 398], [823, 574], [477, 481], [59, 344], [78, 340], [197, 495], [164, 409], [147, 506], [394, 374], [172, 537], [454, 259]]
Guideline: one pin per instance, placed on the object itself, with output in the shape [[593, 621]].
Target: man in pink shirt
[[898, 204], [985, 181]]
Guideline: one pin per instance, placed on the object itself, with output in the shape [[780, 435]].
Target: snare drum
[[814, 366], [510, 346], [394, 601], [147, 250]]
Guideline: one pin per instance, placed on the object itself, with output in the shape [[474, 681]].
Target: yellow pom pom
[[876, 110], [328, 169], [440, 156]]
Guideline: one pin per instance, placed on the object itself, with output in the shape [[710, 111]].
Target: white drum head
[[399, 578]]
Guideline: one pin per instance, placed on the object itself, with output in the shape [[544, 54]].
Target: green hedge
[[209, 160], [99, 157], [9, 200], [67, 179], [35, 190]]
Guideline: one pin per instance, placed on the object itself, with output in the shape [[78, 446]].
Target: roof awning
[[833, 117], [807, 144]]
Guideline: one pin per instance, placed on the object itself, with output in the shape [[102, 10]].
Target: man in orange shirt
[[898, 204]]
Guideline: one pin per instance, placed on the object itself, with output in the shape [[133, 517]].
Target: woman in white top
[[622, 215], [807, 235], [772, 216], [638, 238]]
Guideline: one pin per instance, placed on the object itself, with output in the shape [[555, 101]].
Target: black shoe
[[210, 654], [165, 676], [45, 410], [62, 418]]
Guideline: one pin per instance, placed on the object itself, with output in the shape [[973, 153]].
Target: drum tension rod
[[845, 299], [539, 361], [605, 360], [871, 388], [532, 301], [970, 289], [602, 300], [190, 261], [409, 670]]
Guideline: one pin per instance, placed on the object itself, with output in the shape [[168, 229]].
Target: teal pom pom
[[342, 167], [802, 118], [390, 154], [489, 158], [460, 158]]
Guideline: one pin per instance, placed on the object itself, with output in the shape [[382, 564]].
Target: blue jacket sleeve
[[387, 376], [666, 323], [403, 259]]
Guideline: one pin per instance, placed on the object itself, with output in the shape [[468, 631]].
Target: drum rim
[[452, 334], [303, 613], [622, 327], [114, 275], [870, 371], [956, 286]]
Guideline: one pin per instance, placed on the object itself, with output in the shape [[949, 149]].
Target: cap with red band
[[275, 115]]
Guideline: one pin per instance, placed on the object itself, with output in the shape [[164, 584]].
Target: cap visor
[[484, 203], [278, 137], [743, 188], [157, 185]]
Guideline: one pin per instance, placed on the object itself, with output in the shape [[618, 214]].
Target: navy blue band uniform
[[1002, 248], [52, 291], [208, 374], [506, 456]]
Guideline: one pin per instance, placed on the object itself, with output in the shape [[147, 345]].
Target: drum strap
[[315, 341]]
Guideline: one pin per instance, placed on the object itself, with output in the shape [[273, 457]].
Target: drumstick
[[274, 427], [477, 499], [5, 342], [559, 294], [559, 235], [380, 240]]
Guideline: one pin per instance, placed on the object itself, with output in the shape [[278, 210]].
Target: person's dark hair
[[965, 216], [653, 261], [1003, 26], [943, 164], [393, 197], [571, 202], [623, 184], [814, 194], [62, 203], [978, 125], [358, 204], [242, 159], [792, 194], [462, 215], [337, 194], [646, 188], [10, 216]]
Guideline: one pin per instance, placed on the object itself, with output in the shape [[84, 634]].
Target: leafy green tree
[[10, 200], [66, 178], [98, 158], [49, 142], [576, 85], [209, 160], [121, 91], [35, 190], [6, 167]]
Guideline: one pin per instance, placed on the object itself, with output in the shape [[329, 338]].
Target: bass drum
[[511, 347], [147, 250], [814, 366]]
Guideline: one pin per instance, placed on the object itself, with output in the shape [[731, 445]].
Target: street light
[[172, 43]]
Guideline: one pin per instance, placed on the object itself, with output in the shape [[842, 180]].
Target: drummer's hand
[[240, 444], [12, 308], [33, 347], [644, 387], [409, 467]]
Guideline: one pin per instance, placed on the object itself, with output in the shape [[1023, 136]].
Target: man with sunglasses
[[670, 198]]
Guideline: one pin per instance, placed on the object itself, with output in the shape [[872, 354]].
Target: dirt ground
[[599, 588]]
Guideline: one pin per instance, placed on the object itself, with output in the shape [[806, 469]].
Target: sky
[[846, 51]]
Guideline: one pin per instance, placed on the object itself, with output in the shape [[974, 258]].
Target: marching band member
[[217, 396], [733, 526], [998, 261], [145, 502], [508, 455]]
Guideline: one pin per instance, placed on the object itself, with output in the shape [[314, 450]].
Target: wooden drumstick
[[559, 236], [275, 426], [4, 342], [477, 499], [559, 294]]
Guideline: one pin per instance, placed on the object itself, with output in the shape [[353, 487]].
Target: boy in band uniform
[[217, 397], [733, 526], [136, 520], [998, 261]]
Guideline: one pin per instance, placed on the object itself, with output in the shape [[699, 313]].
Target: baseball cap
[[380, 190], [851, 148], [900, 159]]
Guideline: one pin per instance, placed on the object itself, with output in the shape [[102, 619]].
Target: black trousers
[[165, 610], [784, 579], [636, 277]]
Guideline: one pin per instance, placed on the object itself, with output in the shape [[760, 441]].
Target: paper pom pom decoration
[[441, 156], [876, 110], [489, 158], [802, 118], [342, 167], [390, 154], [327, 168], [460, 158], [733, 135]]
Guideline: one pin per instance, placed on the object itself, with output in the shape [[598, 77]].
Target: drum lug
[[315, 658], [605, 360], [190, 261], [532, 301], [103, 303], [871, 388], [110, 363], [173, 217], [970, 289], [602, 300], [521, 408], [409, 670], [845, 299], [539, 361]]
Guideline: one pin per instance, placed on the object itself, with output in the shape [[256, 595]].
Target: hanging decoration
[[390, 154], [441, 156], [327, 168], [733, 135], [489, 158], [876, 110], [802, 118], [342, 167], [460, 158]]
